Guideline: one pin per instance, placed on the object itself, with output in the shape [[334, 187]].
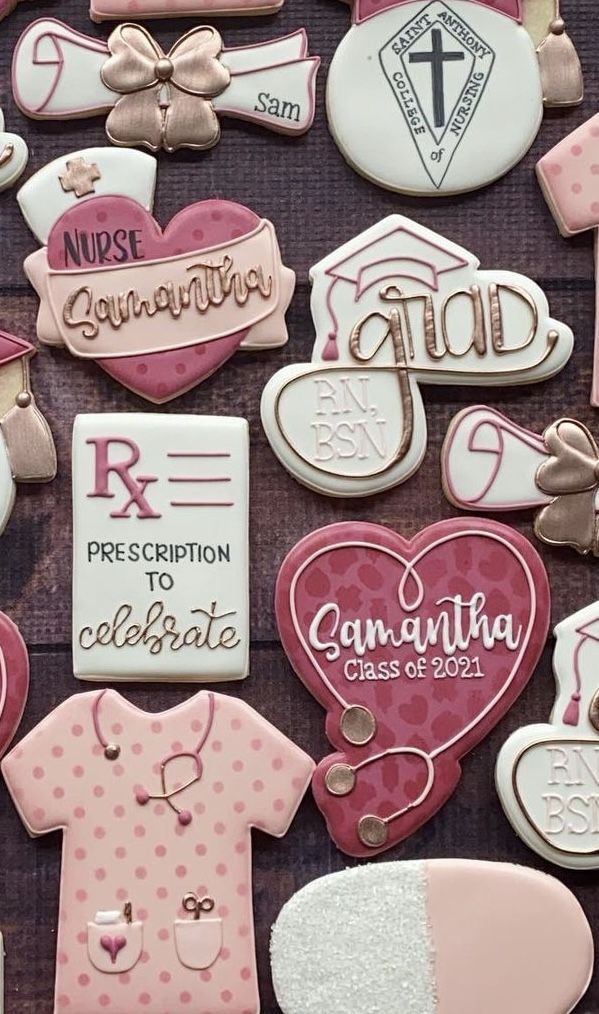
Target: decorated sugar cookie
[[27, 452], [158, 99], [475, 937], [158, 309], [417, 88], [416, 648], [102, 10], [489, 463], [157, 809], [547, 775], [396, 307], [14, 156], [14, 687], [569, 180], [160, 538]]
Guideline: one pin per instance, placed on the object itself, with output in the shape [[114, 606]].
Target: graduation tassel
[[561, 73], [29, 442]]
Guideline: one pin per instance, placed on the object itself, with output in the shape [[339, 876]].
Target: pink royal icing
[[130, 871], [364, 9], [416, 649]]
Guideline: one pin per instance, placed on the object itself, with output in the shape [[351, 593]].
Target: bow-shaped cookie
[[571, 476], [165, 99]]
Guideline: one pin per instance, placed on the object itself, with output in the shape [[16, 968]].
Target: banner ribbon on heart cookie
[[159, 310], [158, 99], [416, 648]]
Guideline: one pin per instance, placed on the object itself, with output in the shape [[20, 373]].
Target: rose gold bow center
[[164, 69]]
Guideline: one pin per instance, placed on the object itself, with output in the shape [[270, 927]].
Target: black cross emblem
[[437, 58]]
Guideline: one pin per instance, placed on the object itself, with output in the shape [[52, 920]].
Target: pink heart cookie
[[160, 310], [416, 649]]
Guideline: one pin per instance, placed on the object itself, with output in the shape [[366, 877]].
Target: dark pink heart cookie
[[108, 231], [14, 680], [416, 649]]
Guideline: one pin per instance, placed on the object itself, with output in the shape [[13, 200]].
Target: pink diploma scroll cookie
[[439, 936], [27, 452], [489, 463], [396, 307], [158, 309], [416, 649], [547, 775], [417, 88], [569, 180], [163, 100], [160, 547], [157, 810], [14, 680]]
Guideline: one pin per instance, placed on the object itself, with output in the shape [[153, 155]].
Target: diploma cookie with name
[[416, 649], [433, 936], [158, 309], [163, 100], [547, 775], [396, 307], [489, 463], [160, 548], [417, 88]]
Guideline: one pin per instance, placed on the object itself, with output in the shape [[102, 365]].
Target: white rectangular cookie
[[160, 547]]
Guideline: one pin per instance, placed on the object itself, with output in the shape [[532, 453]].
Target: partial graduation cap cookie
[[27, 451], [164, 100], [441, 936], [396, 307], [416, 89], [546, 774]]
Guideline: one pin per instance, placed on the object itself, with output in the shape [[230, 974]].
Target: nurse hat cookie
[[435, 936], [159, 310], [546, 774], [489, 463], [396, 307], [163, 100], [70, 180], [27, 452], [160, 547], [569, 181], [416, 648], [14, 156], [416, 90], [14, 682]]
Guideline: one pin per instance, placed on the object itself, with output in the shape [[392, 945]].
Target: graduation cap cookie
[[158, 309], [396, 307], [433, 97]]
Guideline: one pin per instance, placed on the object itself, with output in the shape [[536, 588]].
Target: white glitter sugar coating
[[357, 942]]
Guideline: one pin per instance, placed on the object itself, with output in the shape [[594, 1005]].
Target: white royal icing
[[381, 102], [351, 427], [43, 198], [547, 775], [160, 507], [14, 156]]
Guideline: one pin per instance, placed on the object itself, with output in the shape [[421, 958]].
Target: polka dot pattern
[[568, 175], [118, 851]]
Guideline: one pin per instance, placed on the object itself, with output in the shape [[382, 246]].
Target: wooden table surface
[[316, 203]]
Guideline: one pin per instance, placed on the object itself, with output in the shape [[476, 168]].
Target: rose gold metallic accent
[[128, 912], [29, 442], [357, 725], [80, 177], [478, 341], [7, 153], [497, 333], [372, 831], [571, 476], [112, 752], [165, 99], [561, 74], [340, 779], [594, 712]]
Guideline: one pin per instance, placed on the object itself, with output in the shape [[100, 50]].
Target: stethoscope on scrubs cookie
[[112, 752]]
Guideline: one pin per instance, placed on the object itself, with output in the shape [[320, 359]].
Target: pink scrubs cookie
[[156, 810], [440, 936], [569, 178], [416, 648]]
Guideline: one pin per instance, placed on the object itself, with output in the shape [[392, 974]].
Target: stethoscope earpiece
[[358, 725], [373, 831], [340, 779]]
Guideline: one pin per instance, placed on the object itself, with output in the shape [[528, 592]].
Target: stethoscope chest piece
[[358, 725], [340, 779], [373, 831]]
